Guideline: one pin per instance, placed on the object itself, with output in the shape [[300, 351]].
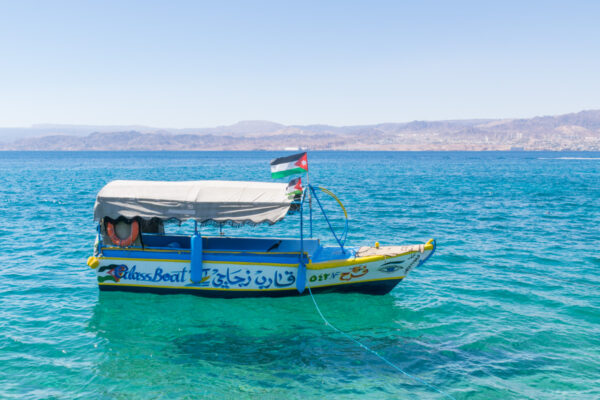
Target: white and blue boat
[[133, 252]]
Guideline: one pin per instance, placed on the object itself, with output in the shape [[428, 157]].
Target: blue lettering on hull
[[211, 277], [158, 276]]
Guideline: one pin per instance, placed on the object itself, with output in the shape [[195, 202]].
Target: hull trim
[[207, 261], [310, 265], [378, 287], [182, 288]]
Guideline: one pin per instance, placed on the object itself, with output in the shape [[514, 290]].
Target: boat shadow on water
[[275, 340], [259, 331]]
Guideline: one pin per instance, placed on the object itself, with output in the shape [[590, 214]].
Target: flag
[[290, 165], [294, 188]]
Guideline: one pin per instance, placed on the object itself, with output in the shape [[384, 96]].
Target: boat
[[133, 253]]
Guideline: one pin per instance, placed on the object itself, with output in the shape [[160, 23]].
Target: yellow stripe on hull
[[310, 265]]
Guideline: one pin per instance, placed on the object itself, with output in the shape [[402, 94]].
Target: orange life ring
[[135, 230]]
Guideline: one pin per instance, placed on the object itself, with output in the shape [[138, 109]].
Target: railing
[[301, 278]]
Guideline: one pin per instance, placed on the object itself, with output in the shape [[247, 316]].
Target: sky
[[188, 64]]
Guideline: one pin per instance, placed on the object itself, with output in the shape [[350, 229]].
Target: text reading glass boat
[[133, 253]]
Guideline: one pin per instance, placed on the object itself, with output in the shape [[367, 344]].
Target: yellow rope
[[335, 197]]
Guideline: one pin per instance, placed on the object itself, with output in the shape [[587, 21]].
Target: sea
[[507, 308]]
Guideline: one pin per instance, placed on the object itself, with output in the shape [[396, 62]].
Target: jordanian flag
[[294, 188], [290, 165]]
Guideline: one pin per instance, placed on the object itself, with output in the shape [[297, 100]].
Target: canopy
[[228, 202]]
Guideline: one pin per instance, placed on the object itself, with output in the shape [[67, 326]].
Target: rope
[[385, 360], [329, 192]]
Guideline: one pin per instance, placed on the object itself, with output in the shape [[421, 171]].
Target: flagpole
[[309, 196]]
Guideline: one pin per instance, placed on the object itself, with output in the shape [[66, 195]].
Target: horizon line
[[48, 125]]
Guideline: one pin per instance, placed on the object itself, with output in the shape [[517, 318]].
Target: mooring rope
[[382, 358]]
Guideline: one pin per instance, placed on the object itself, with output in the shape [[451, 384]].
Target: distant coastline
[[568, 132]]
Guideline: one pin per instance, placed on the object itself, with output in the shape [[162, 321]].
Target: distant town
[[577, 132]]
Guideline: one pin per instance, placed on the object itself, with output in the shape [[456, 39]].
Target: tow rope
[[382, 358]]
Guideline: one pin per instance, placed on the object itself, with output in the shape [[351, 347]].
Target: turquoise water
[[508, 307]]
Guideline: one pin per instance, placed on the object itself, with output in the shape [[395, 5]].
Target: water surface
[[508, 307]]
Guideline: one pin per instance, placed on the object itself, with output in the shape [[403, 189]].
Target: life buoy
[[128, 241]]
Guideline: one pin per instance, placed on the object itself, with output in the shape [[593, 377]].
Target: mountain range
[[575, 131]]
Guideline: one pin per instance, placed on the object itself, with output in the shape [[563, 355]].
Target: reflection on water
[[212, 338]]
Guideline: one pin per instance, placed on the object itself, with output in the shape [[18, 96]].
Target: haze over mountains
[[576, 131]]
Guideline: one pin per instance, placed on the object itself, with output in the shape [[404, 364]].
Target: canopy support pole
[[196, 255], [98, 243], [301, 276]]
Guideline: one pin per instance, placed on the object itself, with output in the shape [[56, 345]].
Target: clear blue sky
[[196, 64]]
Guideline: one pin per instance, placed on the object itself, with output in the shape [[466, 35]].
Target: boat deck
[[238, 249]]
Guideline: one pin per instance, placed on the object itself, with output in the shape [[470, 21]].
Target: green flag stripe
[[287, 172]]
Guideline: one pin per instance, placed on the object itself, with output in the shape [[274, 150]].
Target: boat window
[[153, 225]]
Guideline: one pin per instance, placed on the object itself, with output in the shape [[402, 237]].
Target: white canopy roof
[[204, 201]]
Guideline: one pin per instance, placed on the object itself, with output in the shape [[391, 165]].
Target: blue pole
[[327, 219], [98, 243], [310, 211], [196, 255], [301, 278]]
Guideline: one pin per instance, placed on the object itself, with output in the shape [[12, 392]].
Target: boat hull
[[171, 274], [372, 288]]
